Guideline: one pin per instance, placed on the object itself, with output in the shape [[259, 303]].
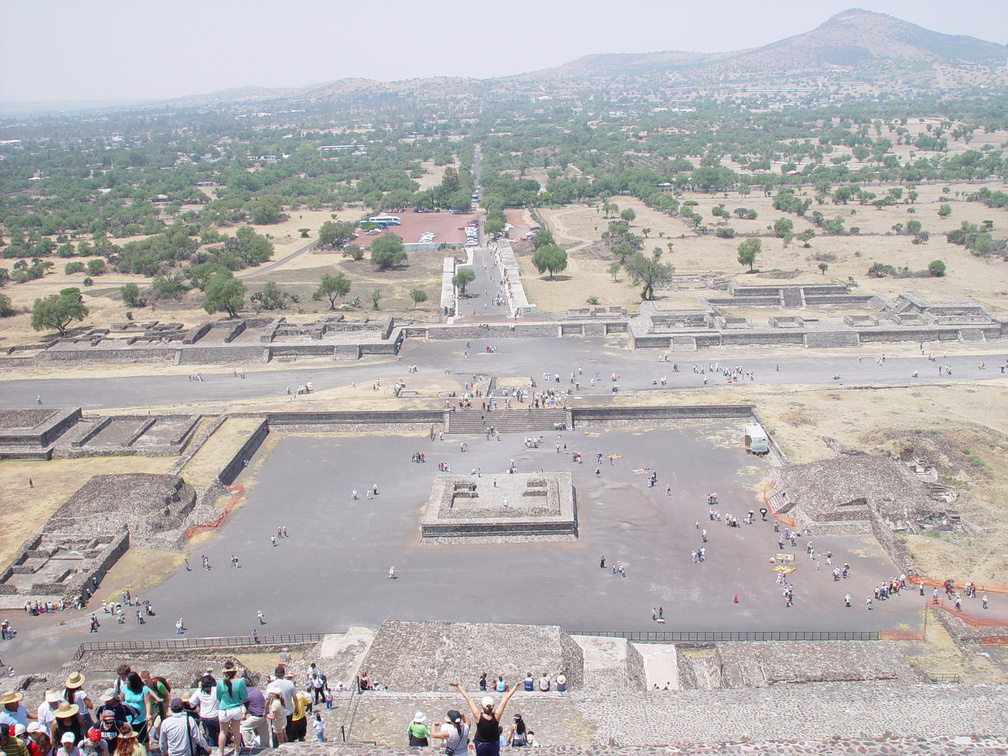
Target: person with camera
[[180, 735]]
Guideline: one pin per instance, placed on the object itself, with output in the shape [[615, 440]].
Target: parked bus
[[386, 220]]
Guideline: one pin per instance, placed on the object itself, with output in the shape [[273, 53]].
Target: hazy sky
[[74, 50]]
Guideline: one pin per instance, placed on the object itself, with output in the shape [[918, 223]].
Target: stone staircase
[[515, 420], [792, 297], [971, 336], [684, 344]]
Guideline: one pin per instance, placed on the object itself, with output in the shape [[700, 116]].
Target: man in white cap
[[13, 711], [68, 745]]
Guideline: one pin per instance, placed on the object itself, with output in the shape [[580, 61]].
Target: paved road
[[637, 370]]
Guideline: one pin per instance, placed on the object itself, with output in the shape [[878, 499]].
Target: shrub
[[937, 268]]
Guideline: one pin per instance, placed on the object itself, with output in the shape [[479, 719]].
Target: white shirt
[[286, 690]]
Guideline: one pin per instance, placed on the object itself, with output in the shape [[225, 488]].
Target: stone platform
[[521, 505]]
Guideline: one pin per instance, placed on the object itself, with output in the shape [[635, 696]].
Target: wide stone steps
[[684, 344], [971, 336], [515, 420]]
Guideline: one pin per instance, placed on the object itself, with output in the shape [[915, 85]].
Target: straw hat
[[66, 710], [75, 680], [127, 733], [53, 696], [10, 697]]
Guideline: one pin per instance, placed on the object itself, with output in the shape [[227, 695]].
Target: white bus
[[386, 220]]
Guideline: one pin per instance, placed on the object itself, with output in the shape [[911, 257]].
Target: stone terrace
[[928, 746], [426, 656]]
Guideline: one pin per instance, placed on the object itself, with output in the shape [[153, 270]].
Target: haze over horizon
[[118, 50]]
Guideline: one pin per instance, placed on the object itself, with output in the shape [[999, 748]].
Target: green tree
[[937, 268], [265, 210], [748, 250], [73, 267], [354, 252], [224, 292], [945, 210], [783, 227], [542, 238], [58, 310], [131, 295], [271, 297], [823, 267], [336, 233], [333, 287], [387, 251], [375, 297], [6, 308], [463, 278], [304, 232], [550, 258], [419, 296], [913, 227], [628, 215], [650, 271], [614, 269]]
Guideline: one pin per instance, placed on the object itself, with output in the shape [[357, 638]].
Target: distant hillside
[[855, 54]]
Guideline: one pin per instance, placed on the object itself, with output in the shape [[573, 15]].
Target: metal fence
[[189, 644], [722, 636]]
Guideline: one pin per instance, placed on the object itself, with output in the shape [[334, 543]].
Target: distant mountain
[[856, 50], [855, 54]]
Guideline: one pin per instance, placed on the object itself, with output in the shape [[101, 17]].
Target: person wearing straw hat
[[13, 711], [68, 721], [74, 693], [128, 743]]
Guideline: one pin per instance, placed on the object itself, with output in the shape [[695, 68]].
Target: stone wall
[[217, 355], [237, 462], [297, 420], [582, 416]]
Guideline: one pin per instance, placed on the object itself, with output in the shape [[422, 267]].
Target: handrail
[[721, 636], [176, 644]]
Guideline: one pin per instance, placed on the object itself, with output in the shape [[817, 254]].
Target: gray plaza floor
[[332, 570]]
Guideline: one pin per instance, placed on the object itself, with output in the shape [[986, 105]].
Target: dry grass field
[[848, 257], [26, 508]]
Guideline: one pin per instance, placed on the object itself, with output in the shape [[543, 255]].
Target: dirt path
[[279, 263], [561, 231]]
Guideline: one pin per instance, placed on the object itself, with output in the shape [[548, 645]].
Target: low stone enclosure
[[260, 340], [58, 432], [88, 534], [522, 505]]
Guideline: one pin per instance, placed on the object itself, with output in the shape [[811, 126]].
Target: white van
[[756, 441]]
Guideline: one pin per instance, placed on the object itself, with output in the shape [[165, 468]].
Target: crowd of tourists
[[141, 713]]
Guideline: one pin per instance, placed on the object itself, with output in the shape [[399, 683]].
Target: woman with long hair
[[204, 701], [142, 699], [74, 693], [487, 740], [230, 694], [454, 732], [128, 743]]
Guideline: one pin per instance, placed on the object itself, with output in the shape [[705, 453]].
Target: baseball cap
[[176, 704], [68, 737]]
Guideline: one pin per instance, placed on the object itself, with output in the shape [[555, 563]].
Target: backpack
[[162, 683]]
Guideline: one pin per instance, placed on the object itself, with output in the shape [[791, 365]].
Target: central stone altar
[[523, 506]]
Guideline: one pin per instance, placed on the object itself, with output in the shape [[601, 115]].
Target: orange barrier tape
[[237, 492]]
